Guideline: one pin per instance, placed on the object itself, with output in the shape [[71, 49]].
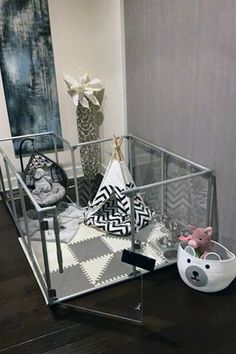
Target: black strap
[[21, 148]]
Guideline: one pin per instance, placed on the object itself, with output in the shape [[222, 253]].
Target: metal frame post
[[45, 259], [10, 189], [3, 190], [163, 178], [73, 148], [140, 305], [132, 221], [55, 148], [132, 224], [209, 199], [130, 160], [58, 242], [23, 206]]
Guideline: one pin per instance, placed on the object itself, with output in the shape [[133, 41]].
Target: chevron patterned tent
[[110, 209]]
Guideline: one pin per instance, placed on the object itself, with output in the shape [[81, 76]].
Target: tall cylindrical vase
[[88, 123]]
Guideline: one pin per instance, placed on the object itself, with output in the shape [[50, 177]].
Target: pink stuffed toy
[[200, 240]]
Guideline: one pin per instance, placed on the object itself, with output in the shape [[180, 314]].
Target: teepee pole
[[117, 148]]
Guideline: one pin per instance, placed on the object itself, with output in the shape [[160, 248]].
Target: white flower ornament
[[82, 90]]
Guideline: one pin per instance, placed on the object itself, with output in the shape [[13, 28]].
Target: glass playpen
[[71, 259]]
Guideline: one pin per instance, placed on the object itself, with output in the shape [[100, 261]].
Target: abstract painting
[[27, 67]]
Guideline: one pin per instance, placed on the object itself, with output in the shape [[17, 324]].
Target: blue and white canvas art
[[27, 67]]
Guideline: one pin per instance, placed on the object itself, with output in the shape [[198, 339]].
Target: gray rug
[[97, 261]]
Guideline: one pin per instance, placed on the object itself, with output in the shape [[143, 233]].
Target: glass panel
[[87, 185], [146, 163], [185, 204], [92, 263], [123, 300], [29, 227], [185, 201], [92, 257]]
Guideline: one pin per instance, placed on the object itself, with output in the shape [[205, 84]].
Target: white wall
[[86, 34]]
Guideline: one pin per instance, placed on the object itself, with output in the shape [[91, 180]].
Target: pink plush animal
[[200, 240]]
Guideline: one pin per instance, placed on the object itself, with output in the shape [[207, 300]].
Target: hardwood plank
[[54, 339]]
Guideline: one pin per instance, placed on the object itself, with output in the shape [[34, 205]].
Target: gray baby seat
[[46, 179]]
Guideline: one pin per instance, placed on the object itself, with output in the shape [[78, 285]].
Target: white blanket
[[69, 221]]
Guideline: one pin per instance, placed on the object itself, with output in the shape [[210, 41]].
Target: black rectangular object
[[52, 293], [44, 225], [138, 260]]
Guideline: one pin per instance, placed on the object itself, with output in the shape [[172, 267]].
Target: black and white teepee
[[110, 209]]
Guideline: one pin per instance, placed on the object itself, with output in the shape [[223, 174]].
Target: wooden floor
[[177, 319]]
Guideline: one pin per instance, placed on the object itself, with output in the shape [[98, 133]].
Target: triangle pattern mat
[[95, 267], [93, 260]]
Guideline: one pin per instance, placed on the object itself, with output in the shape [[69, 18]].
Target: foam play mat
[[93, 259]]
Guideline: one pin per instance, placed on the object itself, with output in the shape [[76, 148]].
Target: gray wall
[[181, 86]]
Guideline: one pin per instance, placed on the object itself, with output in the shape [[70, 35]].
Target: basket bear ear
[[212, 256], [190, 250]]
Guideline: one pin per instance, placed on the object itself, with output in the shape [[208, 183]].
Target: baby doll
[[43, 183]]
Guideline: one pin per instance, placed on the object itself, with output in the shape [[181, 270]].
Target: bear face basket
[[213, 273]]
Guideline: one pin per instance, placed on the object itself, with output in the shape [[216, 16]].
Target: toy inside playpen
[[46, 179]]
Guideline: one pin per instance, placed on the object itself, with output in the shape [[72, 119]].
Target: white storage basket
[[208, 275]]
